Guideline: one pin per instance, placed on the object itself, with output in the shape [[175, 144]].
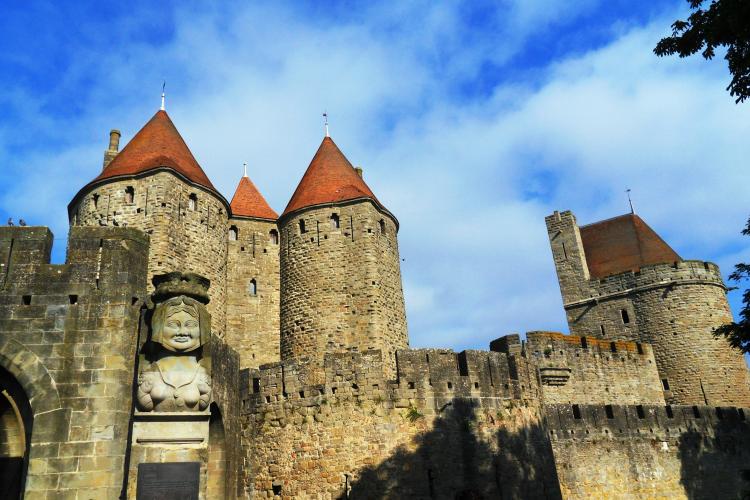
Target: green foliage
[[738, 334], [725, 23], [412, 414]]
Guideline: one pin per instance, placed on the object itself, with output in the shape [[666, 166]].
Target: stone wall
[[674, 307], [452, 424], [650, 451], [253, 291], [68, 334], [341, 283], [588, 370], [181, 238]]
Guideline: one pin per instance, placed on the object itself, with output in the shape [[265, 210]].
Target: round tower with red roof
[[340, 271], [155, 184]]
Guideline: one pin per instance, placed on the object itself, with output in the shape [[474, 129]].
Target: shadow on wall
[[711, 462], [461, 457]]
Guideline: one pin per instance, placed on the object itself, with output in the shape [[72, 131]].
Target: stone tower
[[340, 273], [155, 184], [620, 281], [253, 277]]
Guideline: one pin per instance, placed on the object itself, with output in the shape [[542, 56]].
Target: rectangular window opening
[[696, 412], [639, 346], [584, 343], [625, 316], [256, 385], [73, 299], [26, 299], [609, 411], [670, 413], [576, 412], [641, 413], [665, 384]]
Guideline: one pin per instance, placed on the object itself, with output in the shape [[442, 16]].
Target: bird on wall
[[22, 222], [10, 221]]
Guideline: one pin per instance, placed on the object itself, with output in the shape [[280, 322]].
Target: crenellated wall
[[68, 335], [341, 283], [191, 240], [646, 451], [253, 291], [450, 424], [588, 370]]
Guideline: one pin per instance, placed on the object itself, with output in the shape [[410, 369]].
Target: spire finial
[[163, 86], [325, 116], [244, 165], [632, 211]]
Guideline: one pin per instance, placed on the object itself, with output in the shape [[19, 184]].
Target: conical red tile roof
[[157, 144], [329, 178], [624, 243], [248, 202]]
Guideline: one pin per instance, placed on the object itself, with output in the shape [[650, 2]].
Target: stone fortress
[[192, 347]]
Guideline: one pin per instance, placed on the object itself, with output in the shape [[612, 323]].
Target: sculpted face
[[181, 330]]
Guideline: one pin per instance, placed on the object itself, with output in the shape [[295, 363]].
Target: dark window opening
[[268, 399], [302, 229], [665, 384], [26, 300], [302, 394], [613, 347], [256, 385], [252, 288], [576, 412], [193, 201], [584, 343], [73, 299], [639, 346], [382, 226], [476, 385], [411, 385], [274, 237], [609, 411], [601, 328], [450, 385], [95, 199], [696, 412], [133, 301], [355, 387], [670, 413], [233, 233], [565, 251], [640, 412], [625, 316], [335, 221], [129, 194], [276, 489]]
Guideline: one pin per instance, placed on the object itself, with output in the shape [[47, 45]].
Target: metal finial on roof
[[244, 165], [325, 116], [163, 86], [632, 211]]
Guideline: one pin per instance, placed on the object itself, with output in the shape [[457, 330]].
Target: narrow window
[[274, 237], [601, 328], [565, 251], [129, 194], [73, 299], [584, 343], [95, 199], [335, 221], [608, 410], [233, 233], [639, 346], [613, 347], [670, 413], [193, 201], [639, 410], [625, 316], [253, 287], [256, 385], [382, 226], [665, 384], [576, 412], [302, 226], [26, 299], [696, 412]]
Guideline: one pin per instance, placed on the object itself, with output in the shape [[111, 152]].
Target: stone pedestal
[[169, 437]]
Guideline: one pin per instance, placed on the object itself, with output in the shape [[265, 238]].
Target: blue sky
[[472, 122]]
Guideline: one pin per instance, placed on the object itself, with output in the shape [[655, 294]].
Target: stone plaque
[[168, 481]]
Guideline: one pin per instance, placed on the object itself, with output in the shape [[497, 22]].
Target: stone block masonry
[[253, 291], [68, 335], [341, 283], [187, 225]]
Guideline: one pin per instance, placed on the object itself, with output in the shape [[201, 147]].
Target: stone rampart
[[68, 334], [647, 451]]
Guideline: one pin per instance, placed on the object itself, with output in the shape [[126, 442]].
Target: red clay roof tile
[[248, 202], [157, 144], [624, 243], [329, 178]]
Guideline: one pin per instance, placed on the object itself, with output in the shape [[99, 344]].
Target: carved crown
[[176, 283]]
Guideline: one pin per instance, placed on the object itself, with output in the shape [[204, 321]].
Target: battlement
[[571, 421], [560, 219], [98, 258], [426, 378]]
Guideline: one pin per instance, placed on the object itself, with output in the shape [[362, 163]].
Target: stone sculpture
[[175, 376]]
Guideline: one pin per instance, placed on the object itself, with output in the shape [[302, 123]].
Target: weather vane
[[163, 86], [630, 201], [244, 165], [325, 116]]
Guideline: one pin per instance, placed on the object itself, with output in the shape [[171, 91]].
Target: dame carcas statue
[[174, 375]]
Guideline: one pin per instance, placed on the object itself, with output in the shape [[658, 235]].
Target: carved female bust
[[176, 380]]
